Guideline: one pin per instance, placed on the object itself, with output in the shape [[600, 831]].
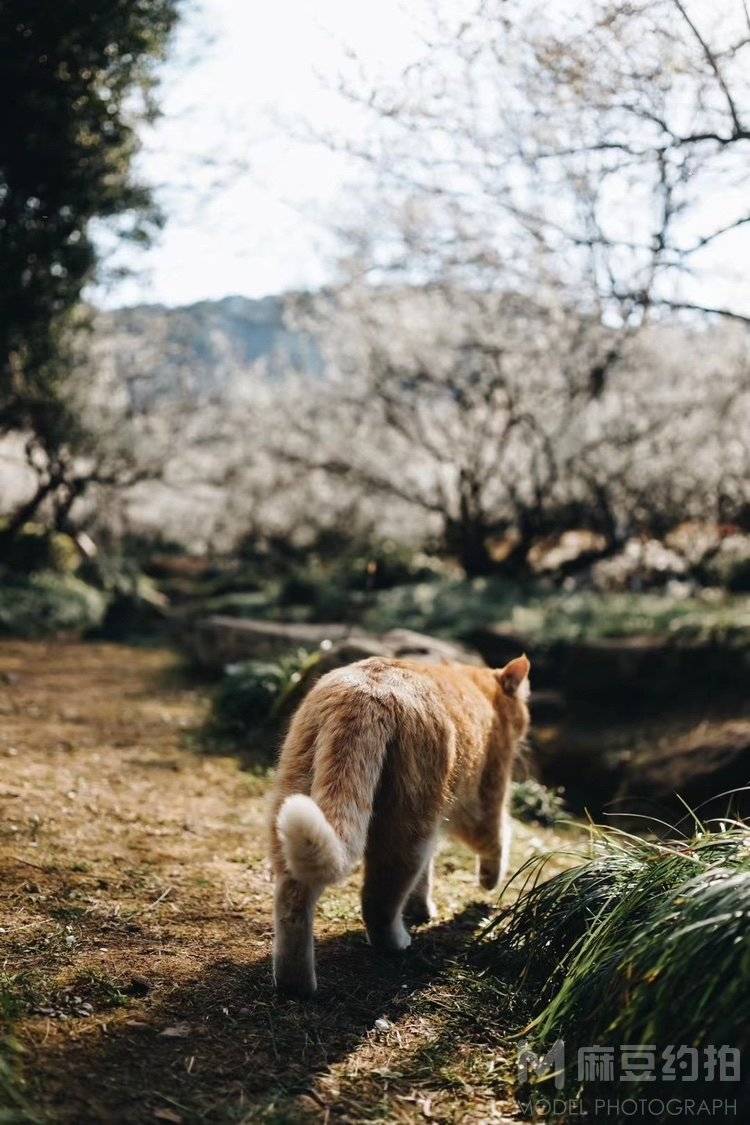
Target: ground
[[136, 929]]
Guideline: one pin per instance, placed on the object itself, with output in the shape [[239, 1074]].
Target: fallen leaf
[[168, 1115]]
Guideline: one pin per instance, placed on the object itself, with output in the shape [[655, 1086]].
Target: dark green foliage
[[36, 548], [132, 614], [255, 694], [315, 585], [47, 604], [339, 584], [69, 75], [135, 607], [445, 607], [730, 566], [16, 994], [644, 943], [322, 590], [457, 608], [536, 803]]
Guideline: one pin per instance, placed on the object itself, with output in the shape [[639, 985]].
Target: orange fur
[[379, 757]]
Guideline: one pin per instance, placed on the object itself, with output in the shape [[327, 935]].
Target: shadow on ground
[[223, 1047]]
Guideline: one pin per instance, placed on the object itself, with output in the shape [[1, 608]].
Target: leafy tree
[[76, 79]]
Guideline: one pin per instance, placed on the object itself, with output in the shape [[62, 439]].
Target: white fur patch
[[313, 852], [379, 681]]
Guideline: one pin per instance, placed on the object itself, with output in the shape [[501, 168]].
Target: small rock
[[179, 1031]]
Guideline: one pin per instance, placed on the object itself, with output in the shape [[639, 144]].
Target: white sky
[[247, 204], [251, 221]]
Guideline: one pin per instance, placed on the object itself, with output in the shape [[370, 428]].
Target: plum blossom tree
[[521, 342], [602, 146], [474, 411]]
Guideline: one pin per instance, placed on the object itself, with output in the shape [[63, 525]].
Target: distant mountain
[[211, 348]]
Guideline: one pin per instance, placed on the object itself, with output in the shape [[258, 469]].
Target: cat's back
[[443, 692], [389, 683]]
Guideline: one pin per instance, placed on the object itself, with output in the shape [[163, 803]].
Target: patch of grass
[[14, 1107], [243, 603], [453, 608], [335, 581], [536, 803], [18, 992], [46, 604], [254, 695], [445, 607], [587, 616], [609, 946], [102, 991]]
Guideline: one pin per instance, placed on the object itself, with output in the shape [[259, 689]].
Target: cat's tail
[[323, 836]]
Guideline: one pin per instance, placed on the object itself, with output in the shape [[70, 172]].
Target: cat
[[379, 757]]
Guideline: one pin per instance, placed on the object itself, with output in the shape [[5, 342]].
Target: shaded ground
[[690, 753], [135, 902]]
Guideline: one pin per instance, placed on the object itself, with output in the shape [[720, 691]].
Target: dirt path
[[135, 902]]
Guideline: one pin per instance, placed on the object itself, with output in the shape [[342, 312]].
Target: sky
[[249, 203]]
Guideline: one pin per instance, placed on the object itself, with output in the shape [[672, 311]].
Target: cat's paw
[[390, 939], [294, 982], [419, 911], [489, 874]]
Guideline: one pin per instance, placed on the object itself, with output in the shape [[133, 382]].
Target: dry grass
[[136, 935]]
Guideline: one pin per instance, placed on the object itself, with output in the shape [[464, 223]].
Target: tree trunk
[[467, 540], [63, 505], [466, 536], [28, 510]]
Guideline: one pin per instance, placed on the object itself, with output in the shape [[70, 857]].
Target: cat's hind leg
[[419, 907], [393, 865], [293, 946]]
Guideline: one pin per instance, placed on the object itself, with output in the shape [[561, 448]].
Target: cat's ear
[[514, 678]]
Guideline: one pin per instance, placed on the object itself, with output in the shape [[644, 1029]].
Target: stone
[[214, 642]]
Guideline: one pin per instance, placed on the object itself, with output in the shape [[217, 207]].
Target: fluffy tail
[[314, 853], [323, 836]]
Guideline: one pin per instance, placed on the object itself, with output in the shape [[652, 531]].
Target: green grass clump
[[445, 607], [644, 943], [536, 803], [590, 616], [46, 604], [544, 618], [255, 693], [16, 993]]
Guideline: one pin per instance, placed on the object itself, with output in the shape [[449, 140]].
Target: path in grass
[[135, 912]]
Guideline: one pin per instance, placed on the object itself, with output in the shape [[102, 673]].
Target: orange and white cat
[[380, 756]]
